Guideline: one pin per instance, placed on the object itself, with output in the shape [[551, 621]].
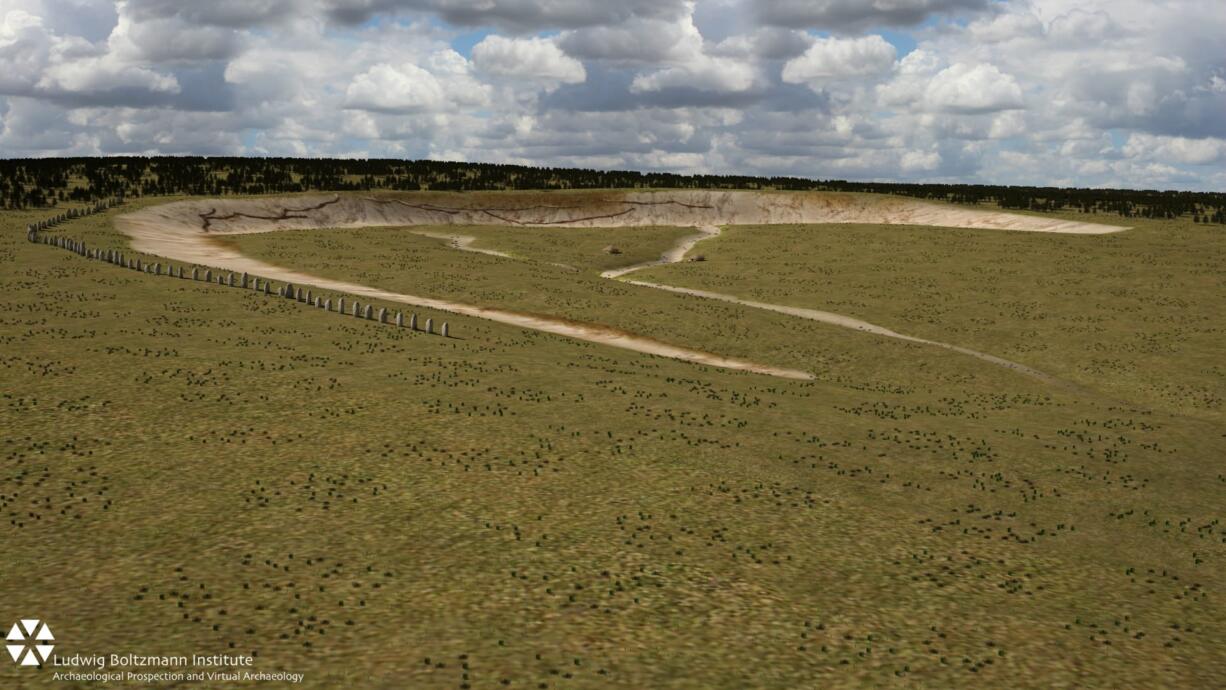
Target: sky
[[1087, 93]]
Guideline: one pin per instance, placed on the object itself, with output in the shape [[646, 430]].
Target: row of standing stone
[[33, 229], [243, 281], [357, 309]]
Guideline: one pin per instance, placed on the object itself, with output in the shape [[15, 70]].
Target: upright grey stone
[[429, 325], [208, 275], [367, 313], [340, 305], [267, 287], [413, 321], [244, 284], [382, 314], [157, 269], [327, 305], [399, 319], [445, 330], [195, 273], [230, 280], [356, 308], [309, 299]]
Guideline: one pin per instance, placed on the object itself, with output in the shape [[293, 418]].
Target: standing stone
[[208, 275], [288, 293], [413, 321], [308, 298], [327, 305], [399, 319], [355, 308], [230, 280], [382, 314], [340, 305], [157, 269], [445, 330], [139, 265], [244, 284], [267, 287], [195, 273], [429, 325], [298, 294], [367, 313]]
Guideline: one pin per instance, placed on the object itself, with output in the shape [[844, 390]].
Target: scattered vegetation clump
[[193, 466]]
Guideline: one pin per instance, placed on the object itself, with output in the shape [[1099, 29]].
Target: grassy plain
[[191, 468]]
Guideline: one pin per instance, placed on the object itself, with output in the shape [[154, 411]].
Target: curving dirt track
[[182, 231]]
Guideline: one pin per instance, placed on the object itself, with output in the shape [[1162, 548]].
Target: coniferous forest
[[47, 182]]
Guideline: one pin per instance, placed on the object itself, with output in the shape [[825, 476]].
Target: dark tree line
[[44, 182]]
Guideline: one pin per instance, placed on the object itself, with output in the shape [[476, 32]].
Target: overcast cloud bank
[[1123, 93]]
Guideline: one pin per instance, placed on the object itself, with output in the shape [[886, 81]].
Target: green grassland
[[192, 468], [1139, 314]]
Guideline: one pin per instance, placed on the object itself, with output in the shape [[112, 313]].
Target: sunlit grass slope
[[190, 468]]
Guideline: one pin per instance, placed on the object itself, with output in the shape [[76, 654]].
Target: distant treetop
[[44, 182]]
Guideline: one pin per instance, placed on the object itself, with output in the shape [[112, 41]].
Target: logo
[[28, 642]]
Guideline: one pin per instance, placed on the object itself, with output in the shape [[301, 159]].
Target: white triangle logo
[[30, 629]]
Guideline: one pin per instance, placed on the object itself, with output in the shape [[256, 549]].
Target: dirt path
[[462, 242], [183, 231], [672, 256], [198, 248], [677, 254]]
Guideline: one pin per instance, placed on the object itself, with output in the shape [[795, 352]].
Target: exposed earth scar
[[167, 231]]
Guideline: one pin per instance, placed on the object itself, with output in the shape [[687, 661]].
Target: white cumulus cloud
[[964, 88], [1176, 149], [400, 88], [840, 58], [527, 58]]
